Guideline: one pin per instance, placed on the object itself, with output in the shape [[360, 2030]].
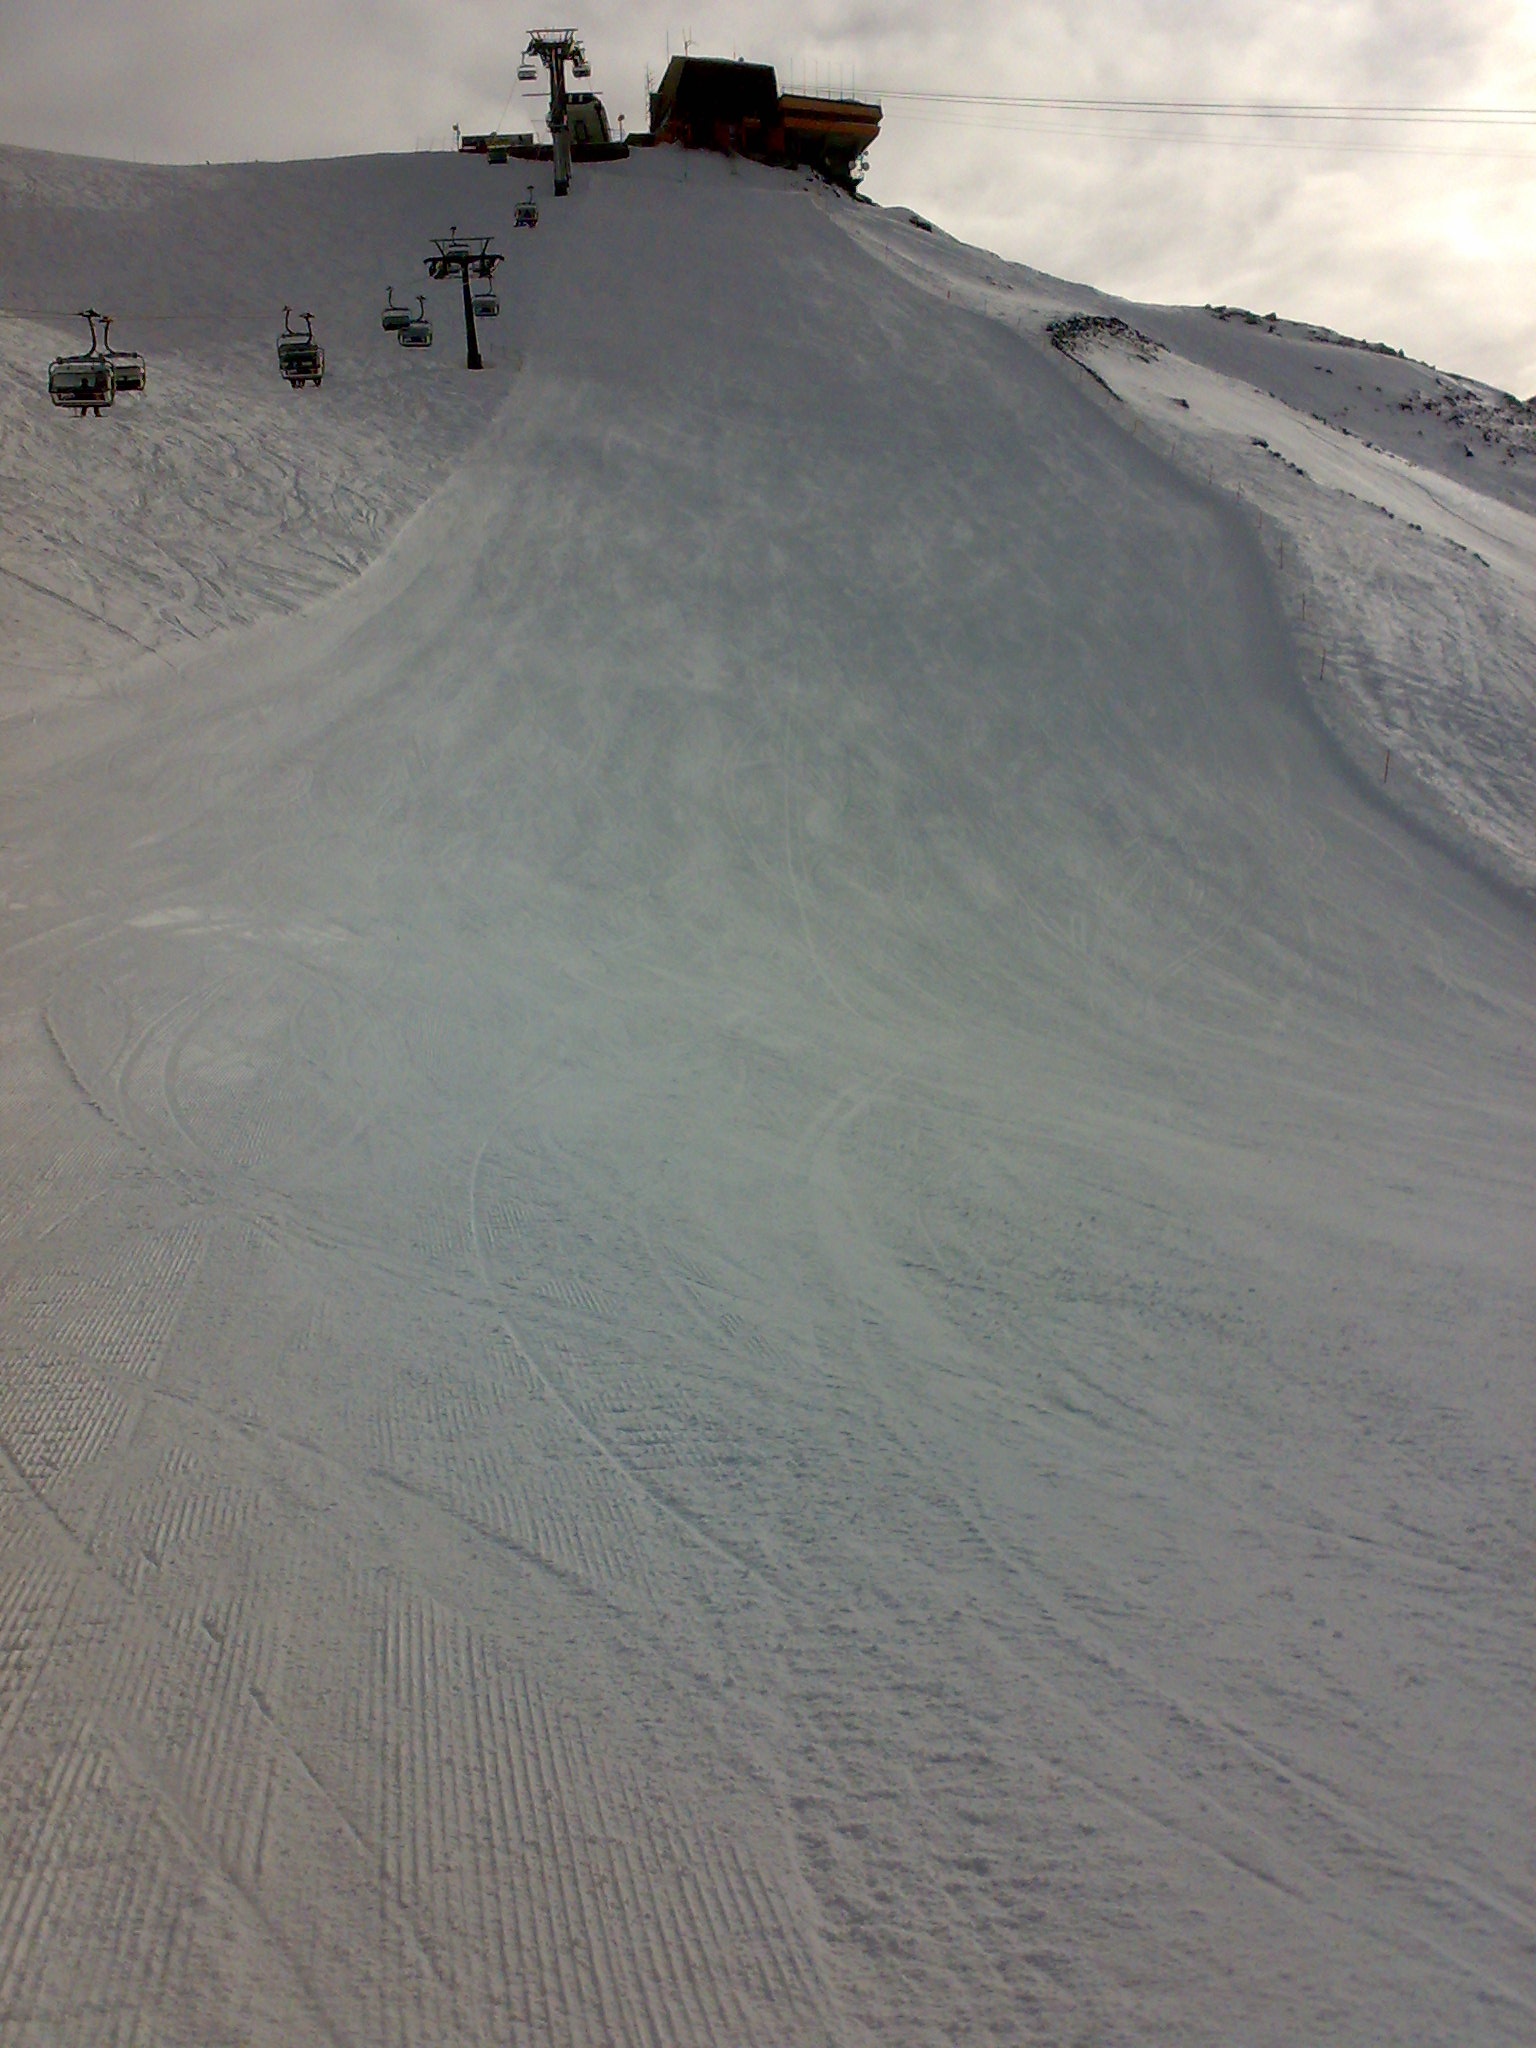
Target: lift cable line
[[66, 313], [1227, 110], [1205, 138]]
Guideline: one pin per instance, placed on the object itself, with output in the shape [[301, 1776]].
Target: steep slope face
[[749, 1289]]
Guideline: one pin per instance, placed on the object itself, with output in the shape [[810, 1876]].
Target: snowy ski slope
[[1396, 506], [765, 1260]]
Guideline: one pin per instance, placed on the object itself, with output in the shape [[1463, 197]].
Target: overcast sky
[[1422, 236]]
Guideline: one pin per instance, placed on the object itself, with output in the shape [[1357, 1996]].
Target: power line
[[1226, 110], [1172, 138], [73, 313]]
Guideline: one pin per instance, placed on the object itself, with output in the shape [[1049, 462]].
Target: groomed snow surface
[[766, 1264]]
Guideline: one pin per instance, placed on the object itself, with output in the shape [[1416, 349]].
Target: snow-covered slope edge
[[1397, 506]]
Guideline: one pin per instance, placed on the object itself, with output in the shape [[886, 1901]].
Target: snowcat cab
[[417, 331], [527, 215], [300, 358], [83, 383], [394, 317], [129, 370]]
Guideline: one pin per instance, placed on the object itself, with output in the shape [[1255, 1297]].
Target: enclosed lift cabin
[[393, 317], [83, 383], [300, 358]]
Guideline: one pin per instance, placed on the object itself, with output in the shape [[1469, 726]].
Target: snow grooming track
[[764, 1270]]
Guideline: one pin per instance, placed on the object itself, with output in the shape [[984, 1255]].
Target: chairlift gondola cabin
[[300, 358], [487, 305], [80, 383], [527, 73], [83, 383], [417, 331], [527, 215], [129, 370], [394, 317]]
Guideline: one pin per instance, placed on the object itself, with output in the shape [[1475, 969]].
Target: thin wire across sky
[[1221, 124], [1225, 110]]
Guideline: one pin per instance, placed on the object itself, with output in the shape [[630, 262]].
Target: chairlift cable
[[130, 314], [1170, 138], [1256, 110], [506, 103]]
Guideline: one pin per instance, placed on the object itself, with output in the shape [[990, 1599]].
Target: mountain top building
[[727, 104]]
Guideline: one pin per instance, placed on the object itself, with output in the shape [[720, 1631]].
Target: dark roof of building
[[715, 89]]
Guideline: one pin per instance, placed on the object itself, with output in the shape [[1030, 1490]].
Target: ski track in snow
[[764, 1237]]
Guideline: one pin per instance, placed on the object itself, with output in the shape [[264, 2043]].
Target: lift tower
[[554, 48], [464, 256]]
